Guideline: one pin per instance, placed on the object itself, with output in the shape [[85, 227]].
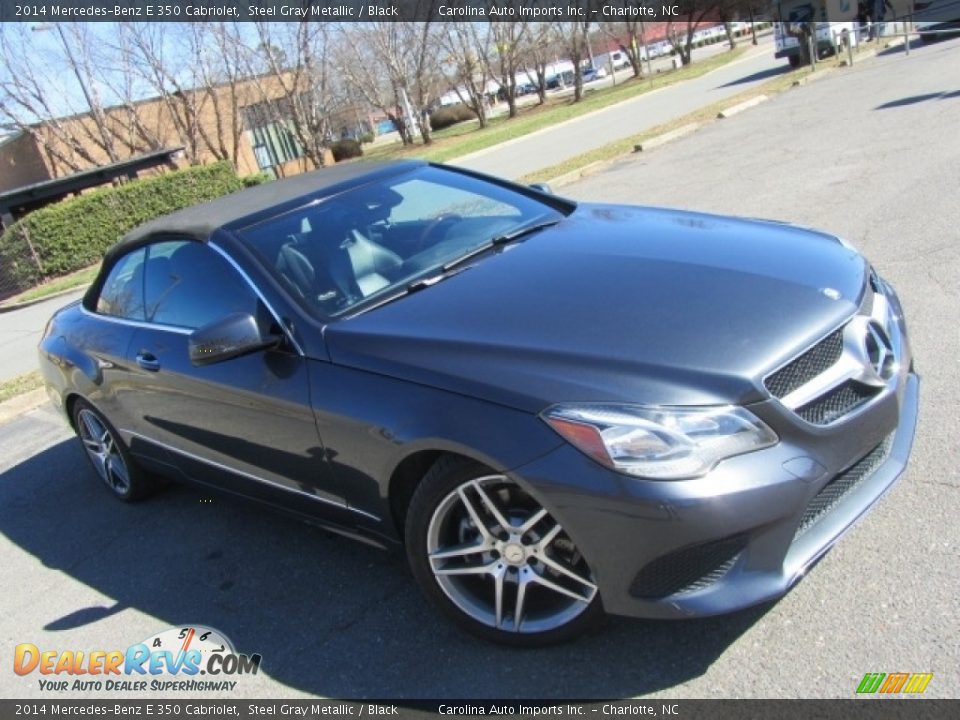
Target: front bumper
[[744, 533]]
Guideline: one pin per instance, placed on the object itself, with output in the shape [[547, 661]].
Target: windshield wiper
[[453, 265], [498, 240]]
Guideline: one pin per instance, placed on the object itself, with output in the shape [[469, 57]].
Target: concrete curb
[[19, 404], [29, 303], [666, 137], [586, 171], [740, 107]]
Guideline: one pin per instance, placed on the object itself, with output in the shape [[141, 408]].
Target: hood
[[616, 304]]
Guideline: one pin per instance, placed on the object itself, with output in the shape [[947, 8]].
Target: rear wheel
[[493, 559], [110, 458]]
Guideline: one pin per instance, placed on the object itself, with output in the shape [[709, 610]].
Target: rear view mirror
[[236, 334], [542, 187]]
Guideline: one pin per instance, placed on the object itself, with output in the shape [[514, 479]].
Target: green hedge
[[73, 234], [346, 149], [450, 115]]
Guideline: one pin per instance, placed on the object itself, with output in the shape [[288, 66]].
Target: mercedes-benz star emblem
[[880, 361]]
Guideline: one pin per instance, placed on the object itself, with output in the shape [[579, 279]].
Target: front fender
[[370, 423]]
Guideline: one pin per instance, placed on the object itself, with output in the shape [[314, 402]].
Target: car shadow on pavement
[[329, 616], [761, 75], [914, 99]]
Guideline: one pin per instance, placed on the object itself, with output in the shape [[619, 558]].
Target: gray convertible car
[[559, 409]]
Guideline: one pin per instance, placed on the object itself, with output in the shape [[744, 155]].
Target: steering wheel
[[433, 226]]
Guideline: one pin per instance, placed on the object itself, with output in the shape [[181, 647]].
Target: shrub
[[73, 234], [366, 138], [450, 115], [256, 179], [346, 149]]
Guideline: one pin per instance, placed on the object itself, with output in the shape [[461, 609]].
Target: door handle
[[148, 361]]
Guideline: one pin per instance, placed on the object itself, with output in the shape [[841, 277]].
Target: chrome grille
[[806, 367], [846, 369], [838, 402]]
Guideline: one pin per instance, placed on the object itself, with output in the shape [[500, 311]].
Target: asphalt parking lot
[[871, 153]]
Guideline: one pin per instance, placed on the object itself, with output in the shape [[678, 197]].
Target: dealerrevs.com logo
[[189, 658]]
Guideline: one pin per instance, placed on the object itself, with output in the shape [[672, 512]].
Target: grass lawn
[[465, 138], [78, 279], [20, 384]]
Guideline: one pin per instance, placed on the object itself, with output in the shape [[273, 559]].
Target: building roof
[[241, 208], [8, 135], [60, 187]]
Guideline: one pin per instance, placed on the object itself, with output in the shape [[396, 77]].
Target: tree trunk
[[728, 29], [481, 111], [426, 132], [541, 71]]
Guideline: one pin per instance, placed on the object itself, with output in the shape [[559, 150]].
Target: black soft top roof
[[200, 221]]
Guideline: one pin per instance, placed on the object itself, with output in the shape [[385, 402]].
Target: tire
[[461, 555], [794, 61], [110, 459]]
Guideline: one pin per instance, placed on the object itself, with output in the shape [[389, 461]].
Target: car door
[[106, 332], [244, 424]]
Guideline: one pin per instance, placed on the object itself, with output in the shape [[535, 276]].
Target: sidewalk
[[20, 331]]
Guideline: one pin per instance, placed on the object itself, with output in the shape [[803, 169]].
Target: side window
[[122, 292], [189, 285]]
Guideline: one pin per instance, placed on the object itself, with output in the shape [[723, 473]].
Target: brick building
[[243, 122]]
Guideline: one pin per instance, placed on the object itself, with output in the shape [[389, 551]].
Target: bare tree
[[509, 37], [38, 97], [220, 71], [729, 10], [466, 50], [374, 59], [630, 35], [540, 46], [298, 91], [681, 34], [77, 46], [164, 58], [424, 77], [574, 36]]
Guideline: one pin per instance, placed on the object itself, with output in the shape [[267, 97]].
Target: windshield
[[363, 245]]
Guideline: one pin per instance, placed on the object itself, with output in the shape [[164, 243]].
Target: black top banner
[[916, 709], [337, 10], [597, 11]]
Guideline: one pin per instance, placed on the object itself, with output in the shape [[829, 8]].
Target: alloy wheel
[[503, 560], [103, 451]]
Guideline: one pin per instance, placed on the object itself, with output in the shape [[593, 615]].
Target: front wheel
[[493, 559]]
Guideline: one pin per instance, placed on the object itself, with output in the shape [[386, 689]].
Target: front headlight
[[661, 443]]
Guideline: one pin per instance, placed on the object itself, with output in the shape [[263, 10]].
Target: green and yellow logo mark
[[912, 683]]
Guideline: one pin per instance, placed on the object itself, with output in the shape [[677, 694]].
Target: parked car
[[591, 74], [560, 409], [935, 19], [560, 80]]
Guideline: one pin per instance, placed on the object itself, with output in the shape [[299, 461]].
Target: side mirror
[[542, 187], [229, 337]]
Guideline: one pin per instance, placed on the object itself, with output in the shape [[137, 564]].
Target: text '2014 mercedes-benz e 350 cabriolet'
[[559, 409]]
